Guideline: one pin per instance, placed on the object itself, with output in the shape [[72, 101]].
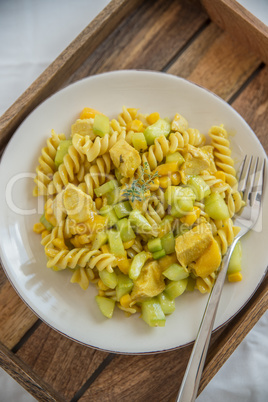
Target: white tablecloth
[[32, 34]]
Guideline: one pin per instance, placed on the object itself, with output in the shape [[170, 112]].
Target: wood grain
[[163, 35], [25, 377], [240, 23], [59, 361], [67, 62], [217, 62]]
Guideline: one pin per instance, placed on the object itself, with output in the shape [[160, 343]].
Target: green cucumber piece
[[47, 224], [199, 186], [124, 286], [235, 264], [108, 278], [168, 243], [122, 209], [216, 207], [62, 150], [105, 305], [167, 305], [175, 272], [101, 238], [115, 243], [159, 254], [101, 125], [139, 141], [161, 127], [154, 245], [108, 211], [137, 264], [152, 313], [175, 157], [106, 187], [176, 288], [139, 222], [125, 229]]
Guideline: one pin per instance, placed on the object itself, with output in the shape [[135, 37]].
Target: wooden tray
[[165, 35]]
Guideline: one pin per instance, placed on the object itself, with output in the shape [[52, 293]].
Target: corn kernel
[[220, 175], [175, 179], [38, 227], [59, 243], [133, 112], [125, 300], [136, 125], [164, 181], [236, 277], [128, 244], [88, 113], [101, 285], [190, 218], [152, 118], [123, 264], [105, 249], [153, 186], [98, 203]]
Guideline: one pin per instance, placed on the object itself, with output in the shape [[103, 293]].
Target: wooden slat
[[148, 39], [240, 23], [217, 62], [15, 317], [63, 364], [152, 37], [25, 377], [67, 62]]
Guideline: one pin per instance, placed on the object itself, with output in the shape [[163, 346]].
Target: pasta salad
[[141, 206]]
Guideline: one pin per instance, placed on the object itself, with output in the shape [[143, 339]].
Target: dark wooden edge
[[238, 327], [23, 375], [65, 64], [240, 23]]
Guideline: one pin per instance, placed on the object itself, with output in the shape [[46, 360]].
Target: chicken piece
[[149, 283], [208, 150], [125, 158], [84, 127], [179, 123], [192, 244], [195, 162], [78, 204], [208, 262]]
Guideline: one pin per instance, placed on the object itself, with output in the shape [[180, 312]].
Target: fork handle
[[192, 376]]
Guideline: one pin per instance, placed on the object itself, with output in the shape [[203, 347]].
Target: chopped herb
[[138, 187]]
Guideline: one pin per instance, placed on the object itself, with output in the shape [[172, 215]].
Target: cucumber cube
[[105, 305], [124, 286], [101, 238], [108, 278], [154, 245], [168, 243], [125, 229], [159, 254], [176, 288], [175, 272], [161, 127], [47, 224], [122, 209], [152, 313], [106, 187], [216, 207], [62, 150], [101, 125], [167, 305]]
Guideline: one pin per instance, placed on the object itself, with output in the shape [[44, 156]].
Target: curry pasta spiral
[[67, 170], [204, 285], [190, 136], [133, 203], [102, 261], [47, 166], [71, 258], [82, 276], [222, 153], [98, 147], [156, 152]]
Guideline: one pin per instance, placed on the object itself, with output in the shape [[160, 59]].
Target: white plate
[[64, 306]]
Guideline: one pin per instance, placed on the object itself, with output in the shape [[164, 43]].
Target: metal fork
[[251, 186]]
